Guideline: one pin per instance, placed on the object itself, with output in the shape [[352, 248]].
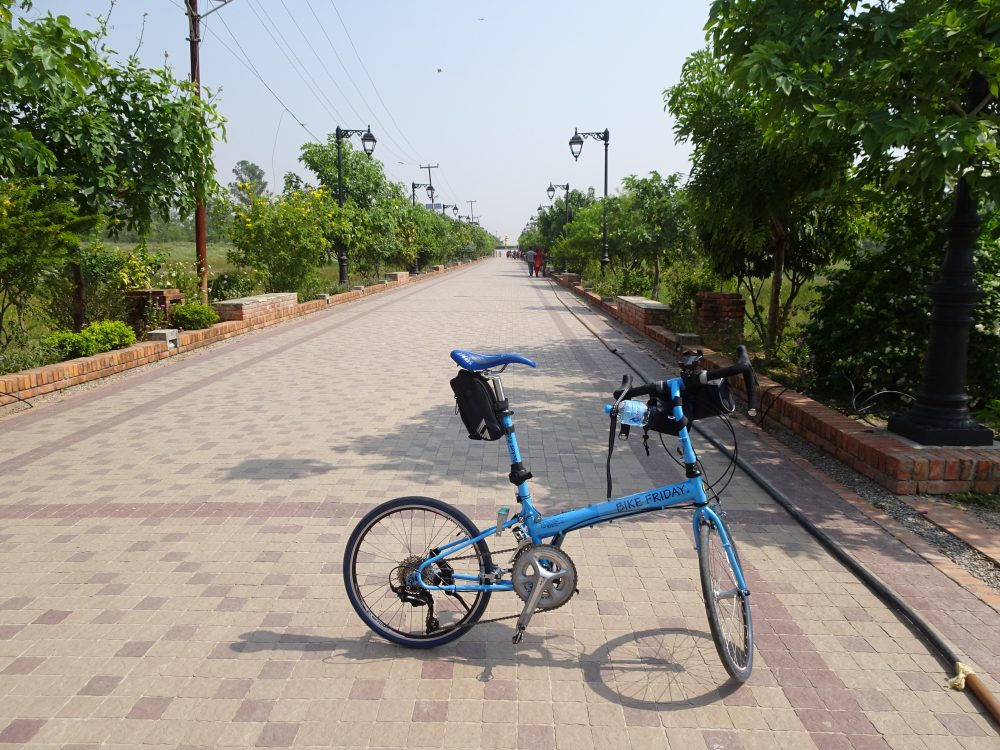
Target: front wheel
[[382, 557], [727, 606]]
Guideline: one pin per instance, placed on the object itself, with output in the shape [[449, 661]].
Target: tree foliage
[[770, 209], [912, 86]]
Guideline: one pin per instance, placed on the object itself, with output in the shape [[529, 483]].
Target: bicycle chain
[[505, 617]]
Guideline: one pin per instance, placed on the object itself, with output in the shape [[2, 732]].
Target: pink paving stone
[[23, 665], [180, 633], [102, 578], [9, 631], [17, 602], [430, 711], [254, 710], [960, 725], [135, 648], [269, 557], [532, 737], [294, 592], [919, 681], [831, 741], [277, 620], [102, 684], [611, 608], [233, 688], [637, 717], [217, 590], [276, 579], [278, 734], [803, 697], [867, 742], [21, 730], [501, 690], [815, 719], [113, 589], [367, 690], [151, 602], [52, 617], [721, 740], [276, 670], [231, 604], [437, 670], [149, 708], [839, 699], [108, 617]]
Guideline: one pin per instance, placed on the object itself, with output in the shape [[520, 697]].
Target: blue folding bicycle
[[420, 574]]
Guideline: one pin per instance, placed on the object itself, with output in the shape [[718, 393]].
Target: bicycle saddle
[[474, 361]]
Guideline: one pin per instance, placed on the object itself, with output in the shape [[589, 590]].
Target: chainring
[[523, 574]]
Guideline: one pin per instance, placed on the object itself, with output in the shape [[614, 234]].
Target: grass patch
[[984, 500]]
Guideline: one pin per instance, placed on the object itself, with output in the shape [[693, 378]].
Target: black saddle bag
[[478, 406], [700, 400]]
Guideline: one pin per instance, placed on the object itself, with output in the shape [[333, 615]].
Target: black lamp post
[[940, 415], [575, 147], [413, 190], [368, 143], [452, 206], [551, 192]]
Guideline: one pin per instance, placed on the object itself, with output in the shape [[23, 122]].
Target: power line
[[374, 87], [315, 89], [249, 66], [343, 67]]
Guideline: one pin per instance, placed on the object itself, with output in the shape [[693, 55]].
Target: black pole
[[413, 193], [940, 415], [200, 234], [342, 257], [605, 259], [565, 260]]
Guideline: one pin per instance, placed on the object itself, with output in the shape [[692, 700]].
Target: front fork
[[704, 514]]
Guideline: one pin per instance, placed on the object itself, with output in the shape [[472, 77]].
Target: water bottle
[[631, 412]]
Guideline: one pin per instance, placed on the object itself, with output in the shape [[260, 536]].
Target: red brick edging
[[898, 465], [41, 380]]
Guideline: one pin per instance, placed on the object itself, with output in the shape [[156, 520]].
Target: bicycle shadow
[[663, 669]]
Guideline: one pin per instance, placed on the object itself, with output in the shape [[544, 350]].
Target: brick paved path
[[170, 550]]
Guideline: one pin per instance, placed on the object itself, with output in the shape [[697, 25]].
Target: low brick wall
[[249, 314], [897, 464], [640, 312]]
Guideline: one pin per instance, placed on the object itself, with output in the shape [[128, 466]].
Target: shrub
[[179, 275], [69, 345], [24, 355], [235, 284], [193, 316], [110, 334], [869, 323]]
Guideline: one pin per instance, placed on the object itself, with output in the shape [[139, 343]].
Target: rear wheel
[[727, 606], [381, 560]]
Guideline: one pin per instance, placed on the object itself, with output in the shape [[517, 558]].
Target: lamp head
[[551, 191], [576, 144], [368, 141]]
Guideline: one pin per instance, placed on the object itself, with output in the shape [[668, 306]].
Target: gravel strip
[[955, 549]]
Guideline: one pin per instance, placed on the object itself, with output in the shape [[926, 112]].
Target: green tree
[[249, 181], [38, 225], [768, 208], [659, 230], [284, 239], [135, 142]]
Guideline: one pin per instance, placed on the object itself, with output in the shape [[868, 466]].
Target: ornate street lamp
[[551, 191], [575, 147], [368, 144]]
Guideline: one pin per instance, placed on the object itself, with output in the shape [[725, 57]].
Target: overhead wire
[[333, 48], [316, 89], [249, 66]]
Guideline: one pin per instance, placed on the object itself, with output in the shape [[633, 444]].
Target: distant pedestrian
[[530, 257], [539, 262]]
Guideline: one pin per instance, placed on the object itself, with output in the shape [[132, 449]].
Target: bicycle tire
[[732, 625], [403, 525]]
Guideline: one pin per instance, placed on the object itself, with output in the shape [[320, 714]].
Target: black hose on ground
[[964, 676]]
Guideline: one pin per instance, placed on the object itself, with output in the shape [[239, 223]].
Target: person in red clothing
[[539, 261]]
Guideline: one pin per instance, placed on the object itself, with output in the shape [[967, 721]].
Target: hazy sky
[[489, 91]]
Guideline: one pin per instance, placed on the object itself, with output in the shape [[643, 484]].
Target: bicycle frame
[[691, 491]]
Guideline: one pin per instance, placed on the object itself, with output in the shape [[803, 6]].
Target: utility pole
[[472, 212], [200, 237], [430, 181]]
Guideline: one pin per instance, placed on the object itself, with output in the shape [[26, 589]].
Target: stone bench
[[259, 309]]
